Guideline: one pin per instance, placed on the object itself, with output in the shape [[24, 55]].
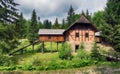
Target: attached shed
[[51, 35]]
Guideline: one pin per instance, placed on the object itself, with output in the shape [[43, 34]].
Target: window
[[86, 35], [76, 34], [49, 37], [76, 47]]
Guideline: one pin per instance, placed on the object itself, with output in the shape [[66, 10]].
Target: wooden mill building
[[81, 31]]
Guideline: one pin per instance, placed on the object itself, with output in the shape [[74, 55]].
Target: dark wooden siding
[[49, 38]]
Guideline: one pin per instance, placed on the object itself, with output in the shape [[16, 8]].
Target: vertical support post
[[51, 46], [42, 47]]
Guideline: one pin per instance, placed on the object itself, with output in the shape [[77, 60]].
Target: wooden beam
[[42, 47]]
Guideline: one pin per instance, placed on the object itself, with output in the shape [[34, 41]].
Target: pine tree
[[88, 15], [8, 11], [56, 24], [63, 25], [47, 24], [20, 26], [111, 32], [70, 17], [33, 29]]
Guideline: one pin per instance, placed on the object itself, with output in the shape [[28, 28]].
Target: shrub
[[7, 61], [27, 67], [77, 63], [82, 54], [95, 55], [65, 52]]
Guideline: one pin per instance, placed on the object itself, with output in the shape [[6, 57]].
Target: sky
[[52, 9]]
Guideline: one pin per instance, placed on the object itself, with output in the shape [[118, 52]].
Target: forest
[[16, 31]]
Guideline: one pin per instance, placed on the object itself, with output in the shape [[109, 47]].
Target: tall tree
[[70, 17], [63, 25], [88, 14], [20, 26], [112, 17], [47, 24], [33, 29], [8, 11], [98, 19], [56, 24]]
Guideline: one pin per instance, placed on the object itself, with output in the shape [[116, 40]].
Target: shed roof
[[51, 31]]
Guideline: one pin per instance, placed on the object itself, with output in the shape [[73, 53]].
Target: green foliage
[[8, 11], [7, 61], [111, 31], [8, 37], [112, 12], [98, 20], [70, 17], [82, 54], [20, 27], [56, 24], [27, 67], [63, 25], [33, 29], [77, 63], [95, 54], [65, 52], [36, 61], [47, 24]]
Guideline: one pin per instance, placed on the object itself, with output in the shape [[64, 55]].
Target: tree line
[[14, 27]]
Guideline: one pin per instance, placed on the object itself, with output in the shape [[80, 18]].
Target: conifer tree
[[56, 24], [20, 26], [63, 25], [8, 11], [33, 29], [70, 17], [47, 24], [111, 32]]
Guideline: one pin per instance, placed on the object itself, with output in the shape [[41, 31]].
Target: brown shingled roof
[[83, 19]]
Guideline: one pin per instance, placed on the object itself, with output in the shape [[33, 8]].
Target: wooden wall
[[82, 30], [53, 38]]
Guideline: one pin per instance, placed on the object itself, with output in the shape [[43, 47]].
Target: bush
[[77, 63], [95, 55], [82, 54], [65, 52], [27, 67], [7, 61]]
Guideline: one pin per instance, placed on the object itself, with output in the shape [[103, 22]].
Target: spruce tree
[[8, 11], [56, 24], [33, 29], [63, 26], [111, 32], [47, 24], [70, 17], [20, 27]]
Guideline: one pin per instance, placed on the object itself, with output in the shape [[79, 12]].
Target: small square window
[[86, 35], [76, 34]]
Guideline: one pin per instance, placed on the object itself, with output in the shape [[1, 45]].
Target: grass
[[44, 58]]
